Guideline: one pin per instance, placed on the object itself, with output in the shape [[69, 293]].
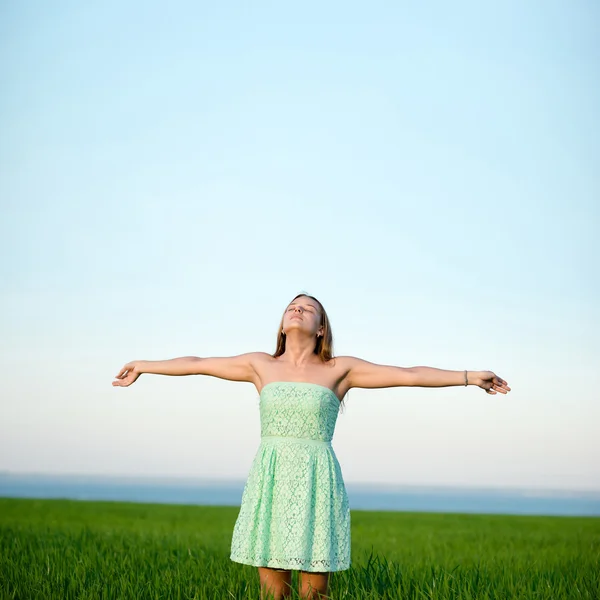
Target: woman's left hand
[[491, 383]]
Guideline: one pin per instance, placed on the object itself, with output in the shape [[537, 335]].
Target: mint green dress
[[294, 512]]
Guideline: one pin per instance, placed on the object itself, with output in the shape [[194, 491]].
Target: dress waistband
[[283, 438]]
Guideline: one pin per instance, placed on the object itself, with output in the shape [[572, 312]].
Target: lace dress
[[294, 512]]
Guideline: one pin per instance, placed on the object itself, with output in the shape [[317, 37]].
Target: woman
[[294, 513]]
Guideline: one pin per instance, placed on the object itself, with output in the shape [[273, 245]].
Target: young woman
[[294, 513]]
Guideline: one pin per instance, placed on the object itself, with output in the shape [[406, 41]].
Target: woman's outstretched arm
[[365, 374], [234, 368]]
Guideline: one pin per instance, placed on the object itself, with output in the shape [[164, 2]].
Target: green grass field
[[91, 550]]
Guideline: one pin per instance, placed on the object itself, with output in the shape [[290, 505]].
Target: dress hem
[[279, 565]]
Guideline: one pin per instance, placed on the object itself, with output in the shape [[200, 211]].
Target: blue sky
[[171, 177]]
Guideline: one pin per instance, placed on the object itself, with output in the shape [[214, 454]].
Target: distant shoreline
[[362, 496], [380, 486]]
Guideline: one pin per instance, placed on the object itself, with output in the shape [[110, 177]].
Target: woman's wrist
[[139, 366], [473, 377]]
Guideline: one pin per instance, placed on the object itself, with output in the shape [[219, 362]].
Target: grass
[[108, 550]]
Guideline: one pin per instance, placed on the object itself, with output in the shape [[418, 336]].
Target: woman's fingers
[[125, 376], [124, 371], [495, 388], [123, 380], [502, 385], [498, 385]]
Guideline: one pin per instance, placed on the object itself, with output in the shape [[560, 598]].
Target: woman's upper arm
[[234, 368], [365, 374]]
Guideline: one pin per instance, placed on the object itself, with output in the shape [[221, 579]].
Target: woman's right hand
[[127, 375]]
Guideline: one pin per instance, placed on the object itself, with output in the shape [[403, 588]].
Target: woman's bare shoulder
[[342, 365], [260, 359], [346, 362], [263, 356]]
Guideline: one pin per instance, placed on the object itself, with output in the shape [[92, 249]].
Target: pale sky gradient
[[172, 175]]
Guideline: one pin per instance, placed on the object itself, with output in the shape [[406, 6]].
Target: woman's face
[[303, 314]]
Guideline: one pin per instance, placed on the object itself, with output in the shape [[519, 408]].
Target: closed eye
[[310, 308]]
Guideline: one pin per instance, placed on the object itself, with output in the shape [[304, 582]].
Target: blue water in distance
[[361, 496]]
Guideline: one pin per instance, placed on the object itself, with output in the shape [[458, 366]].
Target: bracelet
[[466, 380]]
